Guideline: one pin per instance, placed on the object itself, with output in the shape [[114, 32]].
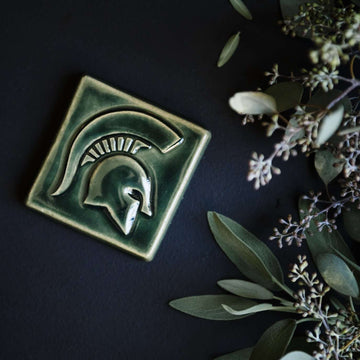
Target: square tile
[[118, 168]]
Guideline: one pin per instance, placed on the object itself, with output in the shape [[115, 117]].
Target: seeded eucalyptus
[[317, 112]]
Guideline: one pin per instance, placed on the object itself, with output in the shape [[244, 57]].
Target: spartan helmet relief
[[118, 182]]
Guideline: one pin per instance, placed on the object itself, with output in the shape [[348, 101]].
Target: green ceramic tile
[[118, 168]]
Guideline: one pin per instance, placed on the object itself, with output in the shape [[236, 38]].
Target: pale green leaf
[[246, 289], [253, 103], [229, 49], [349, 130], [210, 306], [252, 257], [297, 355], [329, 124], [243, 354], [274, 341], [322, 241], [286, 94], [259, 308], [352, 222], [327, 166], [241, 8], [337, 274]]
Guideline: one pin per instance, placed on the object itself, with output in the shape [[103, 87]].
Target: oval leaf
[[229, 49], [210, 306], [322, 241], [246, 289], [352, 222], [286, 94], [253, 103], [323, 99], [251, 256], [241, 8], [274, 341], [337, 274], [243, 354], [327, 166], [297, 355], [259, 308], [329, 124]]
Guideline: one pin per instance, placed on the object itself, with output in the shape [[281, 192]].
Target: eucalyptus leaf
[[337, 274], [294, 131], [322, 99], [210, 306], [327, 166], [229, 49], [290, 8], [253, 103], [356, 2], [274, 340], [352, 222], [322, 241], [286, 94], [348, 261], [243, 354], [349, 130], [241, 8], [259, 308], [246, 289], [329, 124], [251, 256], [297, 355]]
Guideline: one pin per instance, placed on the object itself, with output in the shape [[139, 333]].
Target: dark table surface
[[64, 295]]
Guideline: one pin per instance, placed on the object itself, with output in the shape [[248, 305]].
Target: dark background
[[67, 296]]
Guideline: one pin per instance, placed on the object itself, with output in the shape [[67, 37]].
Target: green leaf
[[286, 94], [274, 341], [349, 130], [337, 274], [253, 103], [241, 8], [259, 308], [327, 165], [290, 8], [246, 289], [348, 261], [352, 222], [322, 241], [322, 99], [243, 354], [356, 2], [229, 49], [251, 256], [210, 306], [297, 355], [329, 124]]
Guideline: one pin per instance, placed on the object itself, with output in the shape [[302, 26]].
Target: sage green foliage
[[251, 256], [243, 354], [352, 222], [253, 103], [241, 8], [337, 274], [274, 340], [259, 308], [229, 49], [329, 124], [210, 306], [320, 242], [327, 166], [297, 355], [246, 289], [287, 94]]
